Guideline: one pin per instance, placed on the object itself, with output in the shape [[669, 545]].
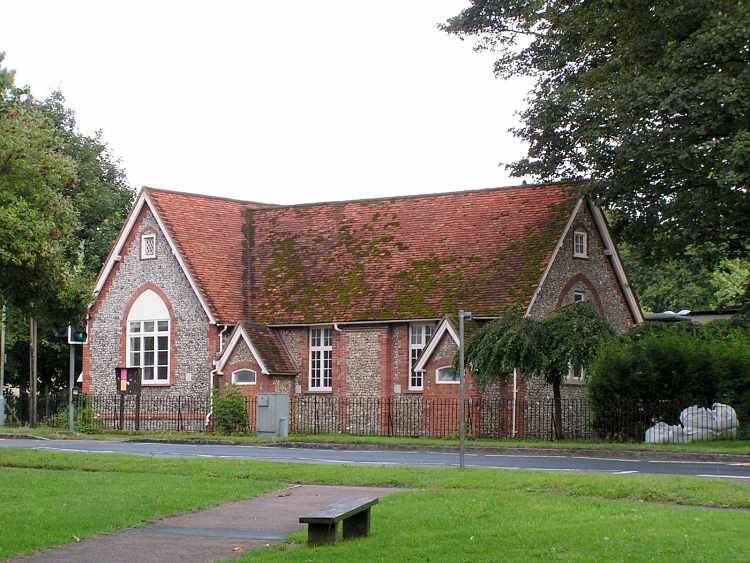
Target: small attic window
[[148, 246], [580, 244], [579, 296]]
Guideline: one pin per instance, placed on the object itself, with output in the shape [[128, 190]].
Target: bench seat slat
[[339, 511]]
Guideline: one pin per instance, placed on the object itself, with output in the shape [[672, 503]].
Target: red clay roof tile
[[405, 257], [392, 258], [208, 232]]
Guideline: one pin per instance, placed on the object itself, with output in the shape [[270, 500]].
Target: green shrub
[[655, 371], [229, 410], [82, 422]]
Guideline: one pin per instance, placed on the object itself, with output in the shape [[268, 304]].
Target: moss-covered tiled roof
[[402, 258]]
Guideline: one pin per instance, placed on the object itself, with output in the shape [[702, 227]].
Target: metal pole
[[71, 383], [32, 372], [3, 325], [515, 397], [462, 427]]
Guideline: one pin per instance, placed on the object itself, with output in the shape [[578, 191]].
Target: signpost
[[3, 329], [462, 315], [128, 382], [75, 338]]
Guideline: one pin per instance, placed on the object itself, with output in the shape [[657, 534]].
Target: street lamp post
[[3, 328], [462, 315]]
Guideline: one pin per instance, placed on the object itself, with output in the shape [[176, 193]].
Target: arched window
[[446, 375], [148, 338], [243, 377]]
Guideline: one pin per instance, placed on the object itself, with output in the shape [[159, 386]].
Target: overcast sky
[[286, 102]]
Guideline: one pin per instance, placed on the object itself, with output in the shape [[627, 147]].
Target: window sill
[[318, 392], [574, 382], [582, 257], [165, 384]]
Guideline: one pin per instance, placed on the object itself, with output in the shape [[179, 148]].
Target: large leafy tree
[[687, 281], [63, 199], [650, 99], [37, 222], [546, 348]]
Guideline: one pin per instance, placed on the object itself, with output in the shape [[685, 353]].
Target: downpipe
[[515, 395], [211, 376]]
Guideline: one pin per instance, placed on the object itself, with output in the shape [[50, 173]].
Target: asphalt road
[[562, 463]]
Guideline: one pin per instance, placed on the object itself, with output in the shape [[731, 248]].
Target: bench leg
[[321, 534], [357, 525]]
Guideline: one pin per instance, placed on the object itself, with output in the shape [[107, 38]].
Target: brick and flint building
[[343, 299]]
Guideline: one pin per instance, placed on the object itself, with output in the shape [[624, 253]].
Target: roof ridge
[[206, 196], [562, 183], [268, 206]]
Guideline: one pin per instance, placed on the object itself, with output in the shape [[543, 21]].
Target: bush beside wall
[[667, 367]]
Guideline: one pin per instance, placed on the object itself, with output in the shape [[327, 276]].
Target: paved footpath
[[611, 462], [224, 532]]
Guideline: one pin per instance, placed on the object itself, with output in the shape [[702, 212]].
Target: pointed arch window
[[149, 338]]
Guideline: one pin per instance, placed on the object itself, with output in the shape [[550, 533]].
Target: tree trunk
[[557, 411]]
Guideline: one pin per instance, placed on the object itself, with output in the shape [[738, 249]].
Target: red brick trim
[[172, 331], [580, 278], [134, 231]]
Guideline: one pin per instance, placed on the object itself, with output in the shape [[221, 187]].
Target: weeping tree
[[547, 348]]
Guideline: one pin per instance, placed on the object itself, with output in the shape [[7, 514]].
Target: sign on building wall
[[127, 381]]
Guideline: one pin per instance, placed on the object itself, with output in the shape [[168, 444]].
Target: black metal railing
[[405, 416], [128, 413]]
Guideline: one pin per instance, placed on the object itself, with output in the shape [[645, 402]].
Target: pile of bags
[[698, 423]]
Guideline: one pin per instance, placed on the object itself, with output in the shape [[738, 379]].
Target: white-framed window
[[580, 244], [321, 359], [148, 246], [575, 375], [579, 296], [419, 336], [149, 350], [148, 338], [244, 377], [446, 374]]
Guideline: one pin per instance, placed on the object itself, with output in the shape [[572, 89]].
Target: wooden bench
[[321, 526]]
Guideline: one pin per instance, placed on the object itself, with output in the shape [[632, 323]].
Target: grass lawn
[[736, 447], [477, 514], [41, 508], [451, 525]]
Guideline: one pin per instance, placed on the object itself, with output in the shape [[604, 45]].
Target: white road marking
[[624, 472], [605, 458], [726, 476], [520, 468], [74, 450], [687, 462], [524, 456], [376, 462]]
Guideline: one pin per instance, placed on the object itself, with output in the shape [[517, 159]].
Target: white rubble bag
[[663, 433], [726, 418], [699, 423]]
